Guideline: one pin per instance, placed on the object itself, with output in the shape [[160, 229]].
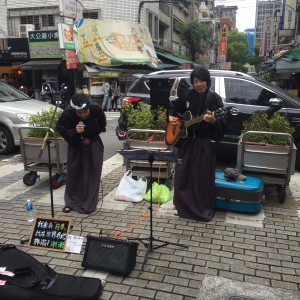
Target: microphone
[[81, 133]]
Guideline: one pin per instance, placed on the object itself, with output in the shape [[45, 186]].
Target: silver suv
[[15, 111], [247, 93]]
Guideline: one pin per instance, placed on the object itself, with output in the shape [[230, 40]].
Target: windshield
[[9, 93], [277, 89]]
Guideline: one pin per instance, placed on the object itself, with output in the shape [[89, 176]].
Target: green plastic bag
[[160, 193]]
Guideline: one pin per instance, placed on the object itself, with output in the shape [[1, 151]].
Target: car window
[[246, 92], [139, 86], [8, 93]]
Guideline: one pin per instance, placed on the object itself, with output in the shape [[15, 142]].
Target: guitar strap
[[207, 100]]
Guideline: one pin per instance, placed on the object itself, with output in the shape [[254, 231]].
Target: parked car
[[15, 111], [247, 93]]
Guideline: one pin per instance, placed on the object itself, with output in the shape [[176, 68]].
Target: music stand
[[151, 156]]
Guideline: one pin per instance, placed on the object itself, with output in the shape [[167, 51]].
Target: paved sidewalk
[[254, 256]]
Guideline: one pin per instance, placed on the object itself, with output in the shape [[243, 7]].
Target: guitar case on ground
[[242, 196], [33, 280]]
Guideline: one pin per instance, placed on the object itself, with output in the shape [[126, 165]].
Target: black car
[[247, 93]]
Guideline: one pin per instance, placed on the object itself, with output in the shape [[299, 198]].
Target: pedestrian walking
[[107, 95], [116, 95]]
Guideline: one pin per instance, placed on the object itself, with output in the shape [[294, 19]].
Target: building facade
[[250, 32]]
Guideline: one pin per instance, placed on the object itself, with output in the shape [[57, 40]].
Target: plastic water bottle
[[29, 210]]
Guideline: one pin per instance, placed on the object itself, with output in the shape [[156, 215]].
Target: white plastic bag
[[130, 189]]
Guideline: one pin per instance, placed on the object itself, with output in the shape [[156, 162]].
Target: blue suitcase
[[242, 196]]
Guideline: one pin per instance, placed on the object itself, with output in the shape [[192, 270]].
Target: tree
[[196, 37], [237, 50]]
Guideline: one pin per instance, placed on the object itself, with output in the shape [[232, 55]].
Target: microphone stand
[[48, 142]]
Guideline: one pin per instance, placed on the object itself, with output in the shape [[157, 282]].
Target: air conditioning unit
[[24, 28]]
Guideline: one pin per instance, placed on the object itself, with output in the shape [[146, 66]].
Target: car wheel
[[7, 144]]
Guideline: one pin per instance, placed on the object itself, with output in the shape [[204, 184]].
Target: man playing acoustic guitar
[[193, 126]]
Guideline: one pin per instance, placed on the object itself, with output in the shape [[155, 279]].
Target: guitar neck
[[194, 120]]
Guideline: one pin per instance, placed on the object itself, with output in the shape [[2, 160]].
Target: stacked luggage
[[237, 192]]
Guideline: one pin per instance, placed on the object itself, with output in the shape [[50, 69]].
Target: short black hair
[[79, 99], [201, 73]]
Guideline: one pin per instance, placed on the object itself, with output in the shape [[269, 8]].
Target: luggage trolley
[[273, 163], [30, 151]]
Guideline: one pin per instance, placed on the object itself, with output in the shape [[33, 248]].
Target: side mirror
[[276, 103]]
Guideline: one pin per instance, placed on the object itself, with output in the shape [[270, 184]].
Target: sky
[[245, 16]]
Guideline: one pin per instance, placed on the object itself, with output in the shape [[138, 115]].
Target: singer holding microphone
[[80, 125]]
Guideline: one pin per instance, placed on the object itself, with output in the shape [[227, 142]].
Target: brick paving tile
[[267, 255]]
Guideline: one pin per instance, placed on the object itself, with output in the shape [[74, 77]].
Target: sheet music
[[145, 154]]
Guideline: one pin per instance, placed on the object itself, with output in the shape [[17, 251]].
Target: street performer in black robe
[[194, 182], [80, 125]]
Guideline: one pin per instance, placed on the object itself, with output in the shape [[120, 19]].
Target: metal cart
[[155, 142], [274, 164], [30, 152]]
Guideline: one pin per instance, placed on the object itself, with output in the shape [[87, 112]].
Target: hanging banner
[[289, 12], [71, 59], [111, 43], [65, 34]]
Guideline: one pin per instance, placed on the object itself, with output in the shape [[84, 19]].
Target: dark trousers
[[114, 102]]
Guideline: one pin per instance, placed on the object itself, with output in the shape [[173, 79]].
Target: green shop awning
[[166, 57], [130, 69], [285, 66], [41, 64]]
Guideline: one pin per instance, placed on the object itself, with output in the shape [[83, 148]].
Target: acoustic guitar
[[176, 134]]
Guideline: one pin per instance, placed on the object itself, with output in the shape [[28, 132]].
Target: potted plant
[[33, 142], [143, 116], [261, 122], [146, 130], [266, 145]]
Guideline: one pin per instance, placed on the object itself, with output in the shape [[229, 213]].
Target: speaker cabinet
[[112, 255]]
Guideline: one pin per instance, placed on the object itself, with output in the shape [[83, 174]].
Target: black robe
[[194, 181], [84, 163]]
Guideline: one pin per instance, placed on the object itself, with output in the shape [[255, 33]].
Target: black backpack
[[36, 281]]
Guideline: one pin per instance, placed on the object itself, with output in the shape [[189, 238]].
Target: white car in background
[[15, 111]]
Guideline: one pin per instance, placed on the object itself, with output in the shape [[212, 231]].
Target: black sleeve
[[66, 126], [219, 128], [96, 123]]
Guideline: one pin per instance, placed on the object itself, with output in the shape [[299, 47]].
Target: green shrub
[[43, 120], [260, 122], [144, 117]]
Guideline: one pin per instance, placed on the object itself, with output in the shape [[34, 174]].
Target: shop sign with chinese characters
[[44, 44], [70, 8], [71, 59]]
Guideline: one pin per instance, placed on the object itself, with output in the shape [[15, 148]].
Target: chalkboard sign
[[50, 233]]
